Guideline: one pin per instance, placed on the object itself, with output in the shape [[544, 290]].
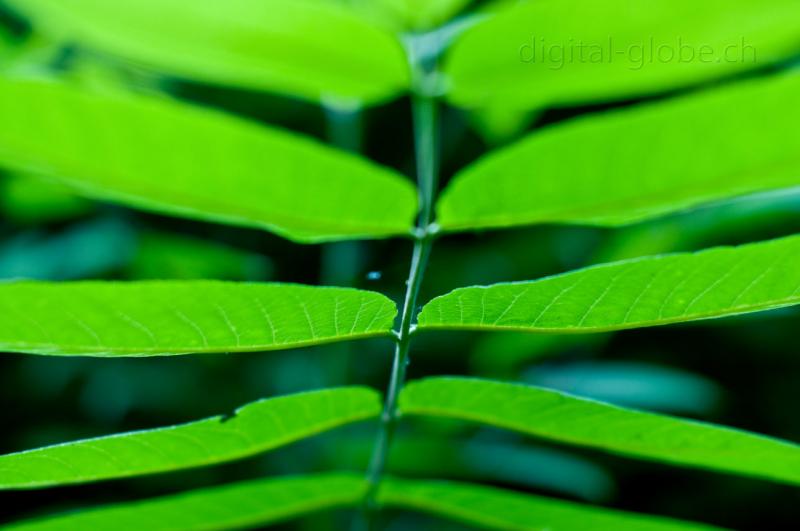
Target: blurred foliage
[[29, 200], [741, 373]]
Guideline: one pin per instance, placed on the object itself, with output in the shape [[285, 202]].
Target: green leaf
[[498, 124], [636, 293], [310, 49], [560, 417], [237, 506], [169, 318], [262, 502], [567, 52], [176, 159], [252, 429], [639, 163], [420, 14], [492, 508]]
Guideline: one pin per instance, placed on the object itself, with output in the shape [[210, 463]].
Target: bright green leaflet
[[236, 506], [636, 293], [262, 502], [168, 318], [492, 508], [420, 14], [313, 50], [565, 52], [561, 417], [171, 158], [252, 429], [622, 167], [399, 16], [497, 124]]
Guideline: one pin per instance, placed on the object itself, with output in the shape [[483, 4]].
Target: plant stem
[[426, 147], [344, 125]]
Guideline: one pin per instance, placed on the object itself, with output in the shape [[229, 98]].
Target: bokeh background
[[742, 372]]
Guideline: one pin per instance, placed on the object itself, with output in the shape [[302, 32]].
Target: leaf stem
[[426, 147], [344, 122]]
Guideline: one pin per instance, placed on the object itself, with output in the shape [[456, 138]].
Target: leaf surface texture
[[172, 158], [491, 508], [638, 293], [636, 164], [577, 421], [237, 506], [252, 429], [158, 318]]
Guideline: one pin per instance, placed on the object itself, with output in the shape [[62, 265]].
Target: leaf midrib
[[574, 330], [89, 351]]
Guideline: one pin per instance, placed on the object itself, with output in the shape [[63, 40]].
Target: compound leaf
[[176, 159], [561, 417], [631, 165], [566, 52], [168, 318], [237, 506], [305, 48], [492, 508], [637, 293], [252, 429]]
